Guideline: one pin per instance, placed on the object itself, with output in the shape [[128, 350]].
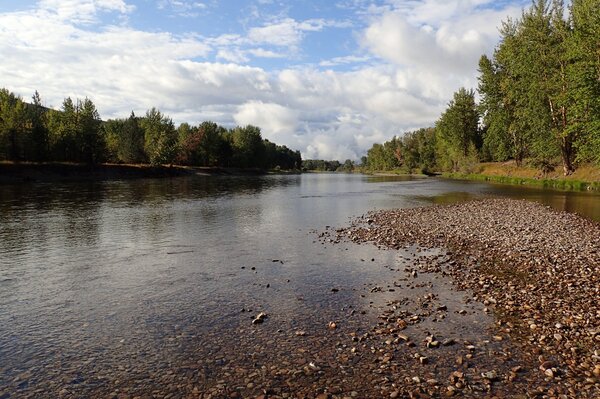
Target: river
[[107, 288]]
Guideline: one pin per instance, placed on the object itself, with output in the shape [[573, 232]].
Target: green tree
[[212, 143], [89, 133], [160, 137], [39, 150], [457, 131], [75, 133], [584, 77], [419, 150], [347, 166], [125, 140], [248, 147], [386, 156], [13, 120], [501, 138], [62, 126]]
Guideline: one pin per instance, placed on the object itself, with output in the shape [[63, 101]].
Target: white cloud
[[288, 32], [411, 58], [453, 46], [263, 53], [232, 55], [278, 123], [184, 8], [283, 33], [350, 59], [82, 11]]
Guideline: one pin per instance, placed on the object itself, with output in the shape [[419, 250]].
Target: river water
[[109, 286]]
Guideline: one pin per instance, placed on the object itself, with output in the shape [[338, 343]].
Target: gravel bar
[[535, 269]]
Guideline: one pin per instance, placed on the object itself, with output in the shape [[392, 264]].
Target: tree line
[[539, 100], [75, 133], [320, 165]]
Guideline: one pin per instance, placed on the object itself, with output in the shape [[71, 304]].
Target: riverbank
[[538, 272], [51, 172], [586, 177]]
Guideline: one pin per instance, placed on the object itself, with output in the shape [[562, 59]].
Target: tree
[[386, 156], [419, 150], [12, 126], [75, 133], [160, 137], [347, 166], [501, 138], [583, 72], [212, 142], [533, 102], [62, 126], [248, 147], [39, 150], [125, 140], [457, 130], [89, 134]]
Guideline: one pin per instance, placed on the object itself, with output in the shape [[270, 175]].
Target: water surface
[[144, 276]]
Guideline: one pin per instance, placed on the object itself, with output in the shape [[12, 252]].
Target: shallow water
[[148, 275]]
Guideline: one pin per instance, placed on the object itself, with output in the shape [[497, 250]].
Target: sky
[[326, 77]]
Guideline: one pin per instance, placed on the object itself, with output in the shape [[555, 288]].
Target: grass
[[585, 178]]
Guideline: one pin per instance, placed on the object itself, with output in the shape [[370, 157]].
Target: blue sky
[[328, 78]]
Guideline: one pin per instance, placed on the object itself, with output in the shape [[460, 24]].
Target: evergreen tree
[[39, 132], [89, 136]]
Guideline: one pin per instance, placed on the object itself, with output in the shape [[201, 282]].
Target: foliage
[[541, 92], [76, 133], [13, 129], [412, 152], [584, 78], [31, 132], [539, 100], [125, 140], [248, 146], [320, 165], [457, 132], [160, 137]]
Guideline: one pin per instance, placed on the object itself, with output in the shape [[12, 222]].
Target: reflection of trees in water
[[33, 215], [583, 204]]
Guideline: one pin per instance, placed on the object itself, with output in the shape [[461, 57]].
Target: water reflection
[[586, 204], [115, 270]]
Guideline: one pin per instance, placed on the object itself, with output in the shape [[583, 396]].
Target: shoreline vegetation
[[585, 178], [75, 134]]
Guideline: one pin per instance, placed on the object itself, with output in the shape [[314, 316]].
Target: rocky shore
[[535, 269]]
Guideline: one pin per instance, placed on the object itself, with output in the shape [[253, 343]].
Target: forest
[[320, 165], [539, 101], [76, 133]]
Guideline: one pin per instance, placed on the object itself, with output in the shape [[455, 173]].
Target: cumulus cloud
[[453, 44], [277, 122], [406, 63]]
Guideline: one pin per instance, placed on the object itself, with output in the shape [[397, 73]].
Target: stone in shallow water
[[260, 318]]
